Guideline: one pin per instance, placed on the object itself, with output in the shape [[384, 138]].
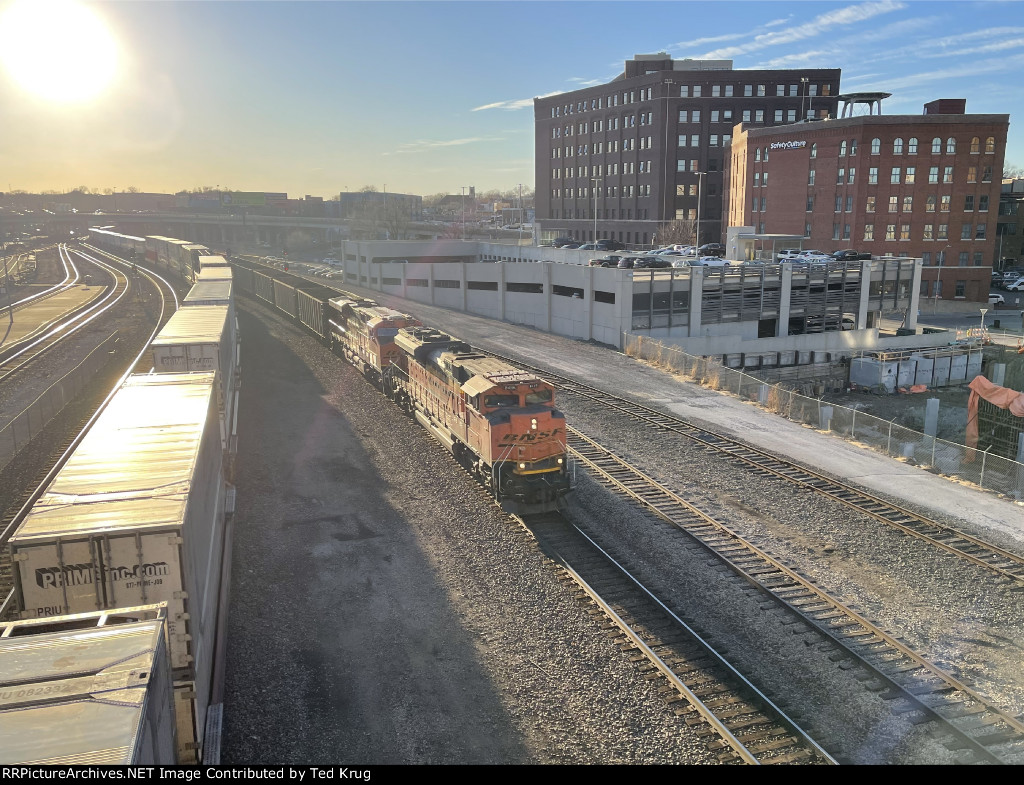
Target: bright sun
[[58, 50]]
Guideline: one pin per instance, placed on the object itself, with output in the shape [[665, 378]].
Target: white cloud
[[519, 103], [423, 145]]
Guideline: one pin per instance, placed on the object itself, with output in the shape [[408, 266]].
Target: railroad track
[[738, 722], [1005, 564], [977, 731]]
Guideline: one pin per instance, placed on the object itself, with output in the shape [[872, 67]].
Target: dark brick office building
[[923, 186], [641, 150]]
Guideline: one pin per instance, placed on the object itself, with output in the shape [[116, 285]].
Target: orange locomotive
[[498, 421], [364, 333]]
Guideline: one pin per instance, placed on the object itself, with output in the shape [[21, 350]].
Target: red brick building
[[903, 185]]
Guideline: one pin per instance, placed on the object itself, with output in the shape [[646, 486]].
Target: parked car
[[713, 261], [788, 254], [570, 245], [626, 262], [996, 299], [685, 261], [589, 247], [610, 245], [849, 255], [711, 249], [1016, 286], [651, 262], [561, 242], [606, 261]]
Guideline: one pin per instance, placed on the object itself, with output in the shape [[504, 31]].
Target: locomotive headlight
[[522, 466], [533, 423], [559, 461]]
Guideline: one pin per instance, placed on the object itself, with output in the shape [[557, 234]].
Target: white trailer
[[87, 689], [136, 516]]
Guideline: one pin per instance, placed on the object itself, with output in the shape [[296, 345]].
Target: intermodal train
[[134, 525], [499, 421]]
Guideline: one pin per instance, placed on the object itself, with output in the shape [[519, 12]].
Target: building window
[[929, 204], [975, 145], [853, 147], [908, 204], [778, 115], [714, 115], [839, 204], [972, 174], [810, 177], [894, 175], [835, 231], [969, 203], [842, 148], [764, 176], [716, 91], [757, 179], [814, 150], [936, 146], [728, 91], [909, 174], [840, 176], [870, 205], [951, 146], [873, 175], [694, 140], [714, 141], [746, 115], [849, 178], [926, 257], [944, 204], [791, 115], [759, 115], [928, 229], [947, 174], [684, 115], [962, 259], [810, 203], [912, 146], [696, 91], [977, 258], [748, 90], [894, 204], [943, 233], [904, 231], [983, 203], [979, 232], [990, 145], [965, 231], [807, 229], [753, 204], [890, 231], [986, 174], [933, 174], [849, 203], [897, 146], [760, 90], [780, 89], [764, 203], [695, 116], [876, 146], [869, 231], [961, 289]]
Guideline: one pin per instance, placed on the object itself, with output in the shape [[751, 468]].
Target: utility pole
[[463, 213]]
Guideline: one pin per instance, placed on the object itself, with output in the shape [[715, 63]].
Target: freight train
[[499, 421], [138, 514]]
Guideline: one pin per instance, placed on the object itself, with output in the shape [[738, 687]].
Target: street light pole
[[700, 182], [984, 311], [463, 213], [940, 258], [593, 184]]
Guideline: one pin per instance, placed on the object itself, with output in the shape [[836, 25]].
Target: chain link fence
[[949, 459], [26, 425]]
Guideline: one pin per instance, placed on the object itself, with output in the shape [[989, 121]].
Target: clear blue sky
[[423, 97]]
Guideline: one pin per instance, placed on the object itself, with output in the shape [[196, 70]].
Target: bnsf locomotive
[[498, 421]]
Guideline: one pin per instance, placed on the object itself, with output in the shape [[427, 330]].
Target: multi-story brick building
[[1010, 242], [923, 186], [623, 158]]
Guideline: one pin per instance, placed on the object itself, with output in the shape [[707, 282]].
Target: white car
[[713, 261], [788, 255], [1016, 286], [996, 299]]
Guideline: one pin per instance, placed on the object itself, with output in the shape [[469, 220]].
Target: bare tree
[[368, 189], [679, 232], [132, 189], [1012, 171]]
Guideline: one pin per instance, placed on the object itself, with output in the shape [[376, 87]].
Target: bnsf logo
[[539, 436], [83, 574]]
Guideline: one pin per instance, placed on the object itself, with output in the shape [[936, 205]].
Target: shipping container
[[88, 689], [196, 339], [136, 516]]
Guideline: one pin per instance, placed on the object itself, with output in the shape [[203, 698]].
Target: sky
[[424, 97]]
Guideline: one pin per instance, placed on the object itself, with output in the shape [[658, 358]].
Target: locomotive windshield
[[538, 396], [386, 334], [501, 400]]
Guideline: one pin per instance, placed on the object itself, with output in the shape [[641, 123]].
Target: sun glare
[[57, 50]]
